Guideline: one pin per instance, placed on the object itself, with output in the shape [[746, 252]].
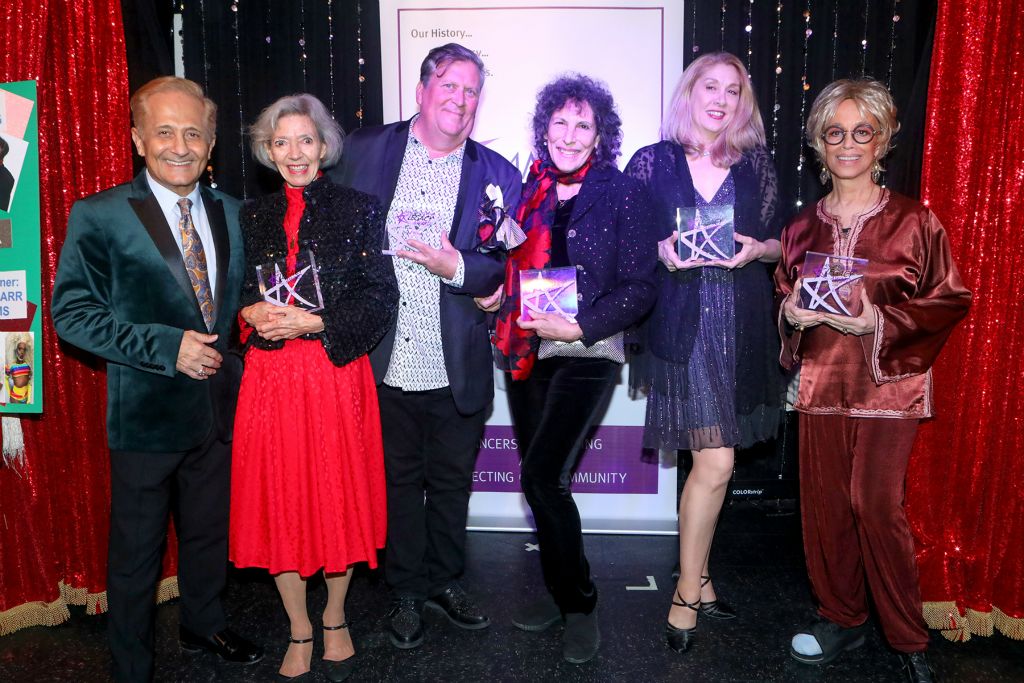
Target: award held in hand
[[301, 289], [548, 290], [705, 234], [410, 224], [832, 283]]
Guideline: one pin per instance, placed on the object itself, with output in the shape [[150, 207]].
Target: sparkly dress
[[307, 478], [710, 365], [704, 414]]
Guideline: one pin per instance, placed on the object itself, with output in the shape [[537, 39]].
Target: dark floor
[[758, 568]]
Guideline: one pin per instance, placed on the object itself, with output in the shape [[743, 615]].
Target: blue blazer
[[371, 163], [122, 293]]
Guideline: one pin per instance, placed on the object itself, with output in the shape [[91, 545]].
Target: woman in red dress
[[307, 484]]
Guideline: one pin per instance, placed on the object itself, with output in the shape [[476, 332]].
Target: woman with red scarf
[[578, 212]]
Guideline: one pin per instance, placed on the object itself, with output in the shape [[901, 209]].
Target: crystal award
[[410, 224], [832, 283], [705, 234], [301, 289], [548, 290]]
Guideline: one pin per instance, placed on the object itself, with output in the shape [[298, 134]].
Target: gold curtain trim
[[956, 627], [53, 613], [33, 614]]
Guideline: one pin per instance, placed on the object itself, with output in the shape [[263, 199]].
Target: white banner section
[[635, 48]]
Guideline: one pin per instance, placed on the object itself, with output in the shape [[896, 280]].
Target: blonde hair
[[172, 84], [744, 132], [872, 99]]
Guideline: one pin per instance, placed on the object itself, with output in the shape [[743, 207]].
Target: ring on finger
[[202, 371]]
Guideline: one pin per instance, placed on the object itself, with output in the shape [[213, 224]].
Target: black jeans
[[553, 411], [429, 453]]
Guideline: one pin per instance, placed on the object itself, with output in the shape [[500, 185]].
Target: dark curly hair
[[579, 89]]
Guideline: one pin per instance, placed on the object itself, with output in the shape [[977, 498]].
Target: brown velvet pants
[[852, 477]]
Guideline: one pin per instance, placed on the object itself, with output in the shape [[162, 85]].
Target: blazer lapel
[[152, 218], [595, 187], [221, 243], [469, 180], [394, 154]]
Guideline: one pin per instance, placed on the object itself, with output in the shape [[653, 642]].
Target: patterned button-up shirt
[[423, 206]]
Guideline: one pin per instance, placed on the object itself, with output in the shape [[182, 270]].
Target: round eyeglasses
[[862, 135]]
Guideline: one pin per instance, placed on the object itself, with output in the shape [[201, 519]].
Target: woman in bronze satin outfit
[[865, 380]]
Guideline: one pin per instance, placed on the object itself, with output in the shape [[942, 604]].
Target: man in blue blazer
[[434, 368], [148, 280]]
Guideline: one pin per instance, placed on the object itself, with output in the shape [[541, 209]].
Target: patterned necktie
[[195, 261]]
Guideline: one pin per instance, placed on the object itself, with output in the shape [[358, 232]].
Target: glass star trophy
[[705, 234], [301, 289], [832, 283], [409, 224], [548, 290]]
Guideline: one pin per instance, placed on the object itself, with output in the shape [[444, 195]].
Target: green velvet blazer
[[122, 293]]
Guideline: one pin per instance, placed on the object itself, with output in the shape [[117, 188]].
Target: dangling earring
[[876, 172], [824, 176]]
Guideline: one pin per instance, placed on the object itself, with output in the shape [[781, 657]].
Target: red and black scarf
[[518, 347]]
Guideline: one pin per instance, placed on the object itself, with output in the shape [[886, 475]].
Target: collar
[[167, 199], [455, 156]]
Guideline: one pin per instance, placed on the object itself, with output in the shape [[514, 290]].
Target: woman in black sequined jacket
[[344, 228], [307, 478]]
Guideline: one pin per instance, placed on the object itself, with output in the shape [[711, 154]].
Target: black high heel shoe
[[338, 670], [680, 639], [305, 675], [716, 609]]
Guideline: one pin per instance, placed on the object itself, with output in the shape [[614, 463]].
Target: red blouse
[[917, 297], [292, 217]]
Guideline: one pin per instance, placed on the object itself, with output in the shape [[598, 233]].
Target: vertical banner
[[636, 48], [20, 285]]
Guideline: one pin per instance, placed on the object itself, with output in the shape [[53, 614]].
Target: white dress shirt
[[168, 202]]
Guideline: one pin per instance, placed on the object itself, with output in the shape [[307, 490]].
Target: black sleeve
[[362, 297]]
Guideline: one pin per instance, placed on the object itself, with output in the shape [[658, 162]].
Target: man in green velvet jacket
[[148, 280]]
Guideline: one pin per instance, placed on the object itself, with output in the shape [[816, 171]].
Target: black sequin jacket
[[344, 229]]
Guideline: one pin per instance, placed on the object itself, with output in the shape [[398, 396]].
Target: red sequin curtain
[[965, 493], [55, 510]]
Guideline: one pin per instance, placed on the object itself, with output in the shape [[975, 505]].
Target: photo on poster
[[6, 233], [19, 366], [12, 158], [15, 112]]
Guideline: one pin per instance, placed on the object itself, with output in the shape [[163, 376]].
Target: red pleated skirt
[[307, 471]]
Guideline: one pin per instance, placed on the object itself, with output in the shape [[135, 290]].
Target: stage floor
[[757, 564]]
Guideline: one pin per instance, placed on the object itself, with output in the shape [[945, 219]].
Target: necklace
[[855, 217], [869, 205]]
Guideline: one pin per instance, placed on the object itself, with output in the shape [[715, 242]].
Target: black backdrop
[[246, 73], [248, 58]]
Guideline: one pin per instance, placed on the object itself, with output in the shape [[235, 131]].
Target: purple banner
[[611, 464]]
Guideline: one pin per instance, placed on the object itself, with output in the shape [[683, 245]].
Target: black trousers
[[553, 411], [144, 488], [429, 453]]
